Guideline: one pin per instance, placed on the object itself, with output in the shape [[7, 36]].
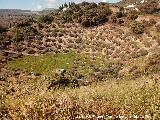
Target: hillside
[[83, 61], [128, 2]]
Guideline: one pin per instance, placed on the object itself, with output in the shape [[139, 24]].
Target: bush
[[67, 16], [158, 28], [158, 40], [23, 23], [88, 14], [91, 6], [94, 17], [18, 35], [137, 27], [119, 14], [145, 23], [105, 7], [132, 15], [86, 22], [153, 64], [2, 29], [152, 21], [149, 23], [113, 19], [45, 19], [84, 4], [66, 79], [99, 19]]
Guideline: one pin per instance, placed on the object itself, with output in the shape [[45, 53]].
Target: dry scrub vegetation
[[83, 61], [31, 100]]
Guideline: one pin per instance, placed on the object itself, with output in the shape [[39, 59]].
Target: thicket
[[88, 14]]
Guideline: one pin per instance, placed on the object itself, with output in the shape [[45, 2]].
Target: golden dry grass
[[32, 100]]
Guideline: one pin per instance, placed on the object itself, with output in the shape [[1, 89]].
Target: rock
[[60, 72]]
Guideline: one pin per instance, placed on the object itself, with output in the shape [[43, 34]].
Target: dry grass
[[32, 100]]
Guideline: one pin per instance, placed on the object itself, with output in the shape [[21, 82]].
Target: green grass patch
[[48, 63]]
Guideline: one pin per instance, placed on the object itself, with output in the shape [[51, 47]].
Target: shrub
[[153, 64], [149, 23], [137, 27], [66, 79], [119, 14], [72, 13], [121, 9], [132, 15], [99, 19], [67, 16], [84, 4], [19, 33], [23, 23], [113, 19], [18, 36], [105, 7], [94, 17], [45, 19], [145, 23], [91, 6], [88, 14], [158, 41], [158, 28], [2, 29], [86, 22], [152, 21]]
